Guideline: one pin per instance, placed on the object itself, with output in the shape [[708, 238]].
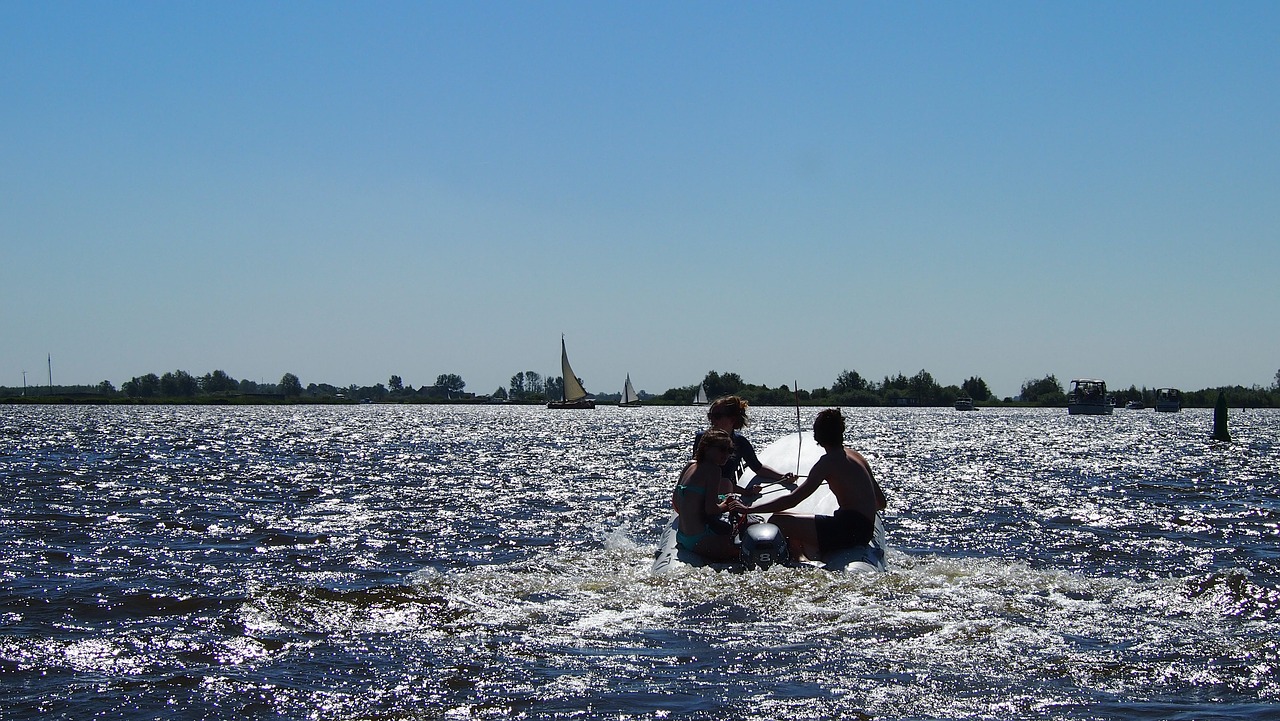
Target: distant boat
[[572, 395], [1088, 397], [701, 398], [1168, 400], [964, 403], [629, 397], [1134, 406]]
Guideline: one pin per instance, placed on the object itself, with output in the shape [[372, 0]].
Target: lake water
[[421, 562]]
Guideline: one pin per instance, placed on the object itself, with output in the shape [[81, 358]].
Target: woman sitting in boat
[[849, 476], [698, 501], [729, 414]]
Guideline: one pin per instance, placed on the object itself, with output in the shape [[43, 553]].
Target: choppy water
[[381, 562]]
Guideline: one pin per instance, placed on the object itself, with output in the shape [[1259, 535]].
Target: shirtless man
[[849, 476]]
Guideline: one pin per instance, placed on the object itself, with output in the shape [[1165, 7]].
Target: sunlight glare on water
[[494, 562]]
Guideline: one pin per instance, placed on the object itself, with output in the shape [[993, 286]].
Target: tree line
[[849, 388], [218, 386]]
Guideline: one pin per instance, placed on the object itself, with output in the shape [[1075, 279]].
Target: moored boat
[[790, 451], [964, 403], [1134, 406], [1088, 397], [1168, 400]]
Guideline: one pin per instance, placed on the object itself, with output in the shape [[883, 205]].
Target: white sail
[[629, 397], [573, 390], [701, 398]]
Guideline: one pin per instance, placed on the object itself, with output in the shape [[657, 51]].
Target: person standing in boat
[[699, 503], [849, 476], [729, 414]]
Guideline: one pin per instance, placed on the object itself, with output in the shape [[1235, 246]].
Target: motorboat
[[762, 544], [1168, 400], [1088, 397]]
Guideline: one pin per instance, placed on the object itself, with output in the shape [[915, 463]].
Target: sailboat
[[629, 397], [573, 394], [701, 398]]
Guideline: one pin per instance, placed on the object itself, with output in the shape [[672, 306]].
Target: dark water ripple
[[407, 562]]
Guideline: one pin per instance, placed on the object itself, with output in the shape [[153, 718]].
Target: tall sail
[[573, 390], [573, 394], [629, 397], [701, 398]]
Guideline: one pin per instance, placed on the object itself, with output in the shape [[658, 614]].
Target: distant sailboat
[[629, 397], [573, 394], [701, 398]]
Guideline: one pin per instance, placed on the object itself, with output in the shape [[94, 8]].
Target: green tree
[[533, 383], [1131, 394], [896, 383], [450, 382], [290, 386], [322, 390], [781, 396], [395, 384], [217, 382], [680, 394], [977, 389], [925, 389], [718, 384], [178, 384], [847, 382], [1046, 391]]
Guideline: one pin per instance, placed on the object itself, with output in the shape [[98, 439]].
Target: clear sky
[[346, 191]]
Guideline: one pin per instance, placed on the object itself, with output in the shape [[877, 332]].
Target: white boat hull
[[1168, 400], [795, 453], [1088, 397]]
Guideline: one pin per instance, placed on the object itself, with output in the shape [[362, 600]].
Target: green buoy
[[1220, 432]]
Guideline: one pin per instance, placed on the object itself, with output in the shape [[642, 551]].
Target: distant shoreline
[[277, 400]]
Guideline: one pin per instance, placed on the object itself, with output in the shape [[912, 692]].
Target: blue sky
[[347, 191]]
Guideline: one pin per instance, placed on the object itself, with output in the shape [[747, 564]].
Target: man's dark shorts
[[846, 529]]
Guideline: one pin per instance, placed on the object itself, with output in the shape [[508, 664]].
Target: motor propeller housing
[[763, 545]]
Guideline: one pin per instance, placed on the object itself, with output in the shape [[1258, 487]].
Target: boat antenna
[[795, 388]]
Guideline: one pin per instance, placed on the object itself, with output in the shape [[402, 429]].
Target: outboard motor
[[763, 545]]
